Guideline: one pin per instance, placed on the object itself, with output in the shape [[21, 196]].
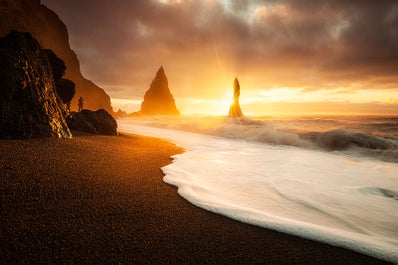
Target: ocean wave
[[258, 131], [337, 135], [348, 141], [345, 139]]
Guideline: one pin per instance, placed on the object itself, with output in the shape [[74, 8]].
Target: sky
[[290, 56]]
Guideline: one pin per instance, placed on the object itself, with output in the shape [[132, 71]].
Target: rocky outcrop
[[57, 65], [29, 106], [157, 99], [45, 26], [235, 110], [65, 88], [95, 122]]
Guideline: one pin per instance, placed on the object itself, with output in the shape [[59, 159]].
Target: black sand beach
[[101, 199]]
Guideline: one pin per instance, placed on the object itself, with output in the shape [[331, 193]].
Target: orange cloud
[[311, 45]]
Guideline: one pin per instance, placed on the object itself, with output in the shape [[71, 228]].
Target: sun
[[224, 102]]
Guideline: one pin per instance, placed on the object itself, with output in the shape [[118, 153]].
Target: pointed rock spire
[[157, 99], [235, 110], [236, 91]]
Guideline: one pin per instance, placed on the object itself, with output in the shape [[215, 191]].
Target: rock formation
[[235, 110], [57, 65], [157, 99], [95, 122], [29, 105], [65, 88], [45, 26]]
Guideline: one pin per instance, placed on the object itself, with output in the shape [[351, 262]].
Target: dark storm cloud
[[291, 42]]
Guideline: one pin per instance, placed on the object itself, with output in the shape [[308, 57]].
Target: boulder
[[95, 122], [235, 110], [29, 105], [57, 65], [157, 99], [65, 88]]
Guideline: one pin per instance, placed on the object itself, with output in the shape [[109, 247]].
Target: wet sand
[[101, 199]]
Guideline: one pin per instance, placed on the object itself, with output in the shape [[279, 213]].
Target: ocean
[[332, 179]]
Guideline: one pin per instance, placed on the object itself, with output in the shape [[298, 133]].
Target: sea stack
[[157, 99], [235, 110]]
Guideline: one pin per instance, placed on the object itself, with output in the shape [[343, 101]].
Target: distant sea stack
[[235, 110], [51, 33], [157, 99], [29, 105]]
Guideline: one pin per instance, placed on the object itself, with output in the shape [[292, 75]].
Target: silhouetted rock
[[57, 65], [66, 89], [157, 99], [235, 110], [120, 114], [29, 106], [46, 27], [95, 122]]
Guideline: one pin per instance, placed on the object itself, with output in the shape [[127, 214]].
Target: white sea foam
[[333, 198]]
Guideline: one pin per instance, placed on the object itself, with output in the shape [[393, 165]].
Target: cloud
[[293, 43]]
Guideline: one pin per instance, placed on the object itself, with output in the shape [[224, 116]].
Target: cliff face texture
[[157, 99], [45, 26], [29, 106]]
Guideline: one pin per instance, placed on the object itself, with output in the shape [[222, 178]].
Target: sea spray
[[371, 137]]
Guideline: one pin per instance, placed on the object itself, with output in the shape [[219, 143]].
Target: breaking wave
[[375, 139]]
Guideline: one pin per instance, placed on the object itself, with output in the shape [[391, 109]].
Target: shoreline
[[102, 199]]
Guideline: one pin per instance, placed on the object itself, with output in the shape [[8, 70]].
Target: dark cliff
[[29, 105], [45, 26], [157, 99]]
